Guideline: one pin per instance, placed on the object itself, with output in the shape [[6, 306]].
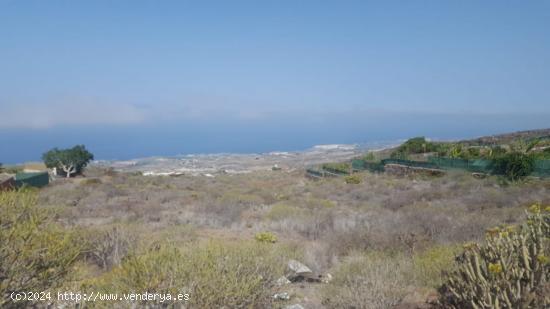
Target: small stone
[[327, 278], [281, 296], [282, 281], [295, 306]]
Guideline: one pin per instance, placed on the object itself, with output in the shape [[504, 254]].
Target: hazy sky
[[122, 66]]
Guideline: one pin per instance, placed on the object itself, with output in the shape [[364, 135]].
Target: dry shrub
[[35, 254], [90, 182], [217, 213], [282, 210], [313, 226], [374, 280], [215, 275], [318, 256], [106, 247], [344, 242]]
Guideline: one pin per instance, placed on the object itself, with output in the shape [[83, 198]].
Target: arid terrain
[[400, 231], [256, 231]]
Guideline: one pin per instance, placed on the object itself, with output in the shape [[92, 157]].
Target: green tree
[[369, 156], [496, 152], [70, 161], [515, 166], [415, 145]]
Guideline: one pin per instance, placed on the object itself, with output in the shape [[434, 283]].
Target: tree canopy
[[415, 145], [71, 160], [515, 166]]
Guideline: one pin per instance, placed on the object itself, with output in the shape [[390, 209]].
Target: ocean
[[111, 142]]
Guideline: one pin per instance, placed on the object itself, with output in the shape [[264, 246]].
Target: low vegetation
[[413, 223], [214, 274], [35, 254], [353, 179], [511, 270], [515, 166], [341, 168], [414, 146], [266, 237], [226, 240], [368, 281]]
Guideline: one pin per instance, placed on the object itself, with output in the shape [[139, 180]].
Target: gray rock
[[299, 268]]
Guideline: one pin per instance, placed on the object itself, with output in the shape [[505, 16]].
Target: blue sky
[[141, 75]]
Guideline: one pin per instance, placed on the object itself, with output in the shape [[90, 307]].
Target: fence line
[[541, 167]]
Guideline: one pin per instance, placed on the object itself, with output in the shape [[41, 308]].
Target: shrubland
[[35, 253], [226, 239], [214, 274]]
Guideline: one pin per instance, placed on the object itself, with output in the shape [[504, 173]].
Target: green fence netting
[[542, 168], [334, 171], [476, 165], [362, 165], [410, 163], [31, 179]]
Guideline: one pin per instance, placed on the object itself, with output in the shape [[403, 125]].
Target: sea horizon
[[148, 147]]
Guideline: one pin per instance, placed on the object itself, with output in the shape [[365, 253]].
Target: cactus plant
[[512, 269]]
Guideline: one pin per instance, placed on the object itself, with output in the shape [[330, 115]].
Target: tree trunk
[[69, 170]]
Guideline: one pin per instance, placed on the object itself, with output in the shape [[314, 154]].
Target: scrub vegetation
[[385, 240]]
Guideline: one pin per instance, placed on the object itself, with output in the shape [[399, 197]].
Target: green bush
[[342, 168], [496, 152], [511, 270], [369, 156], [353, 179], [215, 275], [430, 264], [514, 166], [472, 153], [415, 145], [35, 254], [266, 237]]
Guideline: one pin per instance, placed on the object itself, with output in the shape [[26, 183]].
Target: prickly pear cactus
[[511, 270]]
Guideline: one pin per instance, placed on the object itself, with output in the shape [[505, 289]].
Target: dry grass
[[411, 220], [368, 281], [376, 213]]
